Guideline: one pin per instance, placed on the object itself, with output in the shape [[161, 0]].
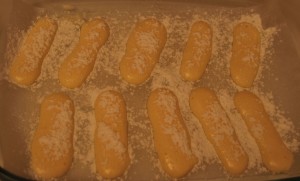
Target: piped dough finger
[[171, 138], [111, 139], [245, 58], [80, 62], [218, 130], [26, 67], [52, 143], [143, 48], [275, 154], [197, 51]]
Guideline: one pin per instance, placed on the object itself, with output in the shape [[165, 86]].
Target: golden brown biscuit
[[171, 138], [245, 57], [52, 143], [143, 49], [275, 154], [218, 130], [80, 62], [197, 51], [26, 67], [111, 139]]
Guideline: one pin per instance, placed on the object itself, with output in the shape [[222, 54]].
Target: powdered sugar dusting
[[109, 102], [168, 102], [147, 41], [110, 139], [105, 75], [57, 144], [35, 50]]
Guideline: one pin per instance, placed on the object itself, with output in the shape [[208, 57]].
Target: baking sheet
[[19, 106]]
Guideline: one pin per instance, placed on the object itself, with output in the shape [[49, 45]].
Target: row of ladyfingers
[[144, 46], [52, 144]]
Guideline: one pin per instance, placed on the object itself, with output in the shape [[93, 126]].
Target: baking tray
[[277, 83]]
